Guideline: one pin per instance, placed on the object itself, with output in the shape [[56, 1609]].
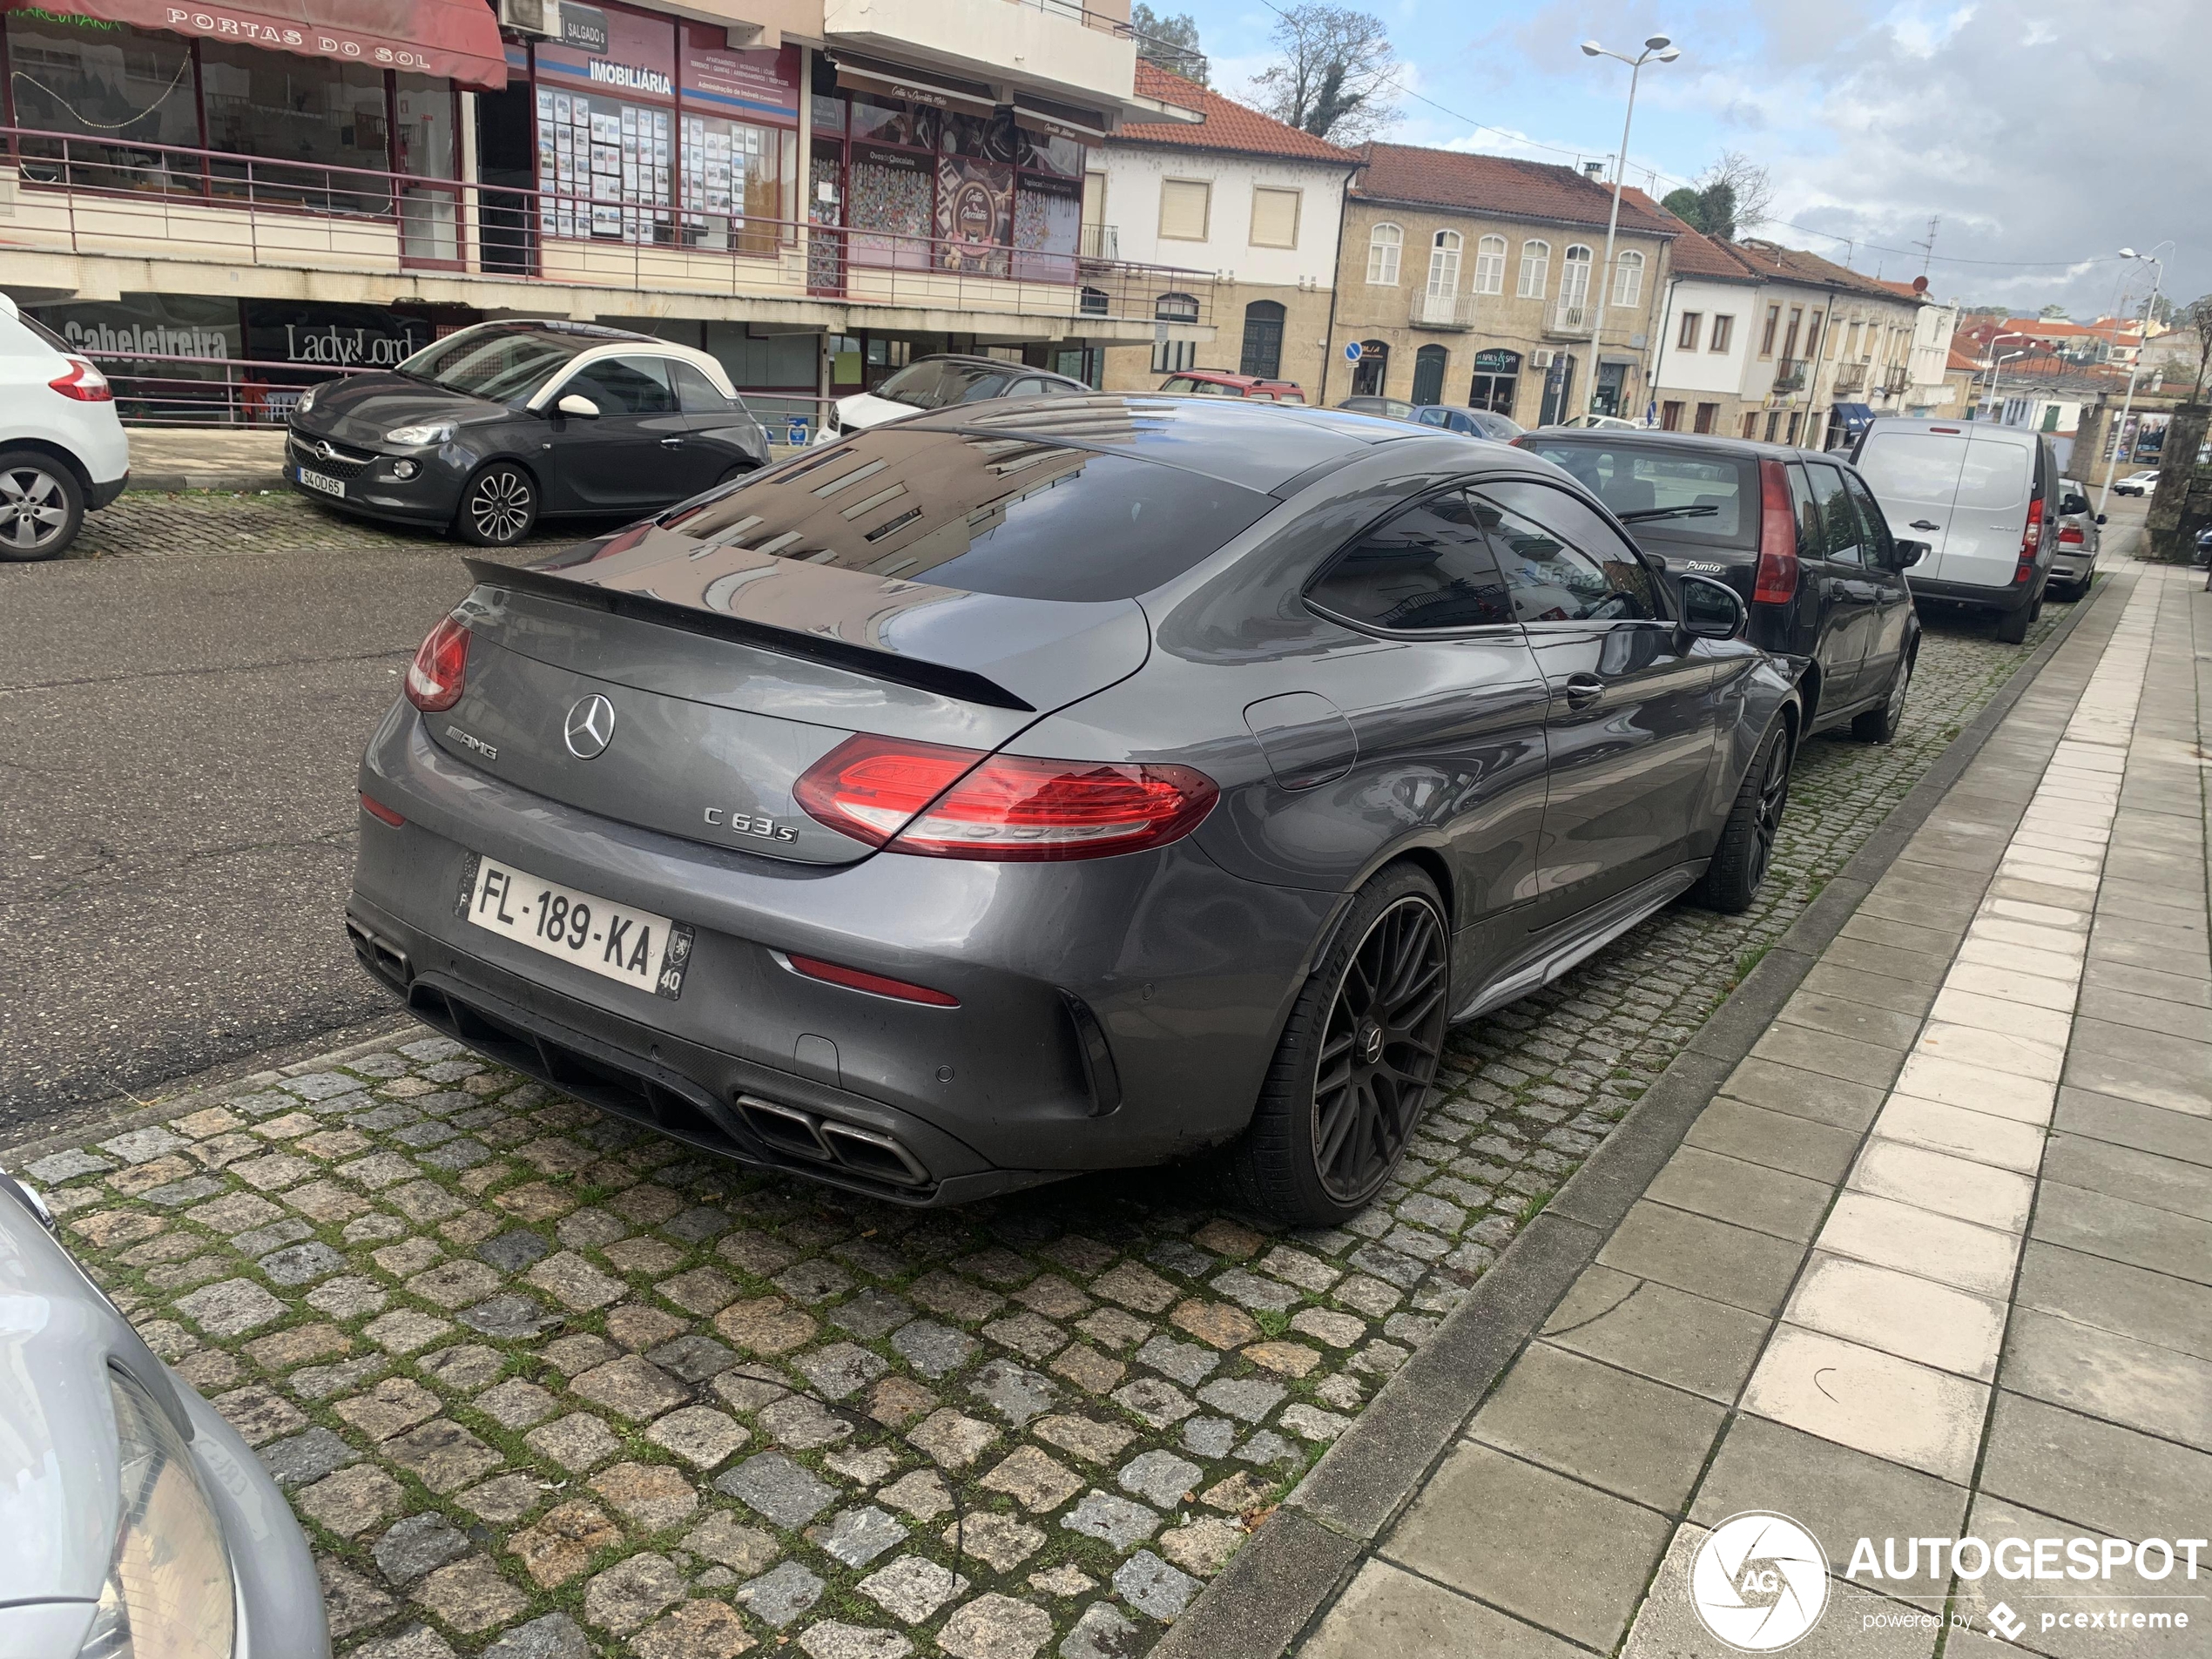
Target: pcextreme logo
[[1759, 1583]]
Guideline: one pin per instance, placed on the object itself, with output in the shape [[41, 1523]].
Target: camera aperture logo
[[1759, 1581]]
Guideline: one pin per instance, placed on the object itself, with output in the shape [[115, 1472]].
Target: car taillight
[[1777, 583], [2031, 537], [2070, 535], [858, 979], [941, 802], [83, 383], [434, 678], [377, 809]]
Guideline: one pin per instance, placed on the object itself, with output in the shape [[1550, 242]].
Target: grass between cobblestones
[[541, 1384]]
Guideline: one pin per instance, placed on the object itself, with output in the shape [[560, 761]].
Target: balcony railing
[[1443, 310], [1789, 375], [101, 196], [1850, 376], [1896, 381], [1102, 242], [1570, 317]]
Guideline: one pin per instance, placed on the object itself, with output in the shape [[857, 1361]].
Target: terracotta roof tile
[[1795, 265], [1501, 185], [1693, 253], [1228, 125]]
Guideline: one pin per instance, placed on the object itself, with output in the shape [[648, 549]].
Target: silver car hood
[[58, 1494]]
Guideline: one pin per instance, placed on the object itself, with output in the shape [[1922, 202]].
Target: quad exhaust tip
[[826, 1140]]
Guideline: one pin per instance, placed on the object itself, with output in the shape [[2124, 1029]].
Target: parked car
[[1983, 495], [1611, 422], [63, 452], [1394, 408], [1797, 533], [1217, 382], [939, 382], [1078, 803], [1470, 422], [137, 1520], [2073, 559], [2136, 483], [499, 426]]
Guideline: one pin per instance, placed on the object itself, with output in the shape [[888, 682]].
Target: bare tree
[[1335, 75], [1169, 40], [1749, 191], [2196, 317]]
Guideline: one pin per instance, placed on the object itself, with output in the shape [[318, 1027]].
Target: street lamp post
[[1664, 50], [2128, 404], [1997, 373]]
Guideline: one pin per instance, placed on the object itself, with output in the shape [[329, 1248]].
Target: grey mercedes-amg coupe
[[1059, 785]]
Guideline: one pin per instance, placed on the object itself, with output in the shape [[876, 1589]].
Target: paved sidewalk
[[1933, 1263]]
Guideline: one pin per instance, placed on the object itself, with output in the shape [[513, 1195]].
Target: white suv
[[63, 451]]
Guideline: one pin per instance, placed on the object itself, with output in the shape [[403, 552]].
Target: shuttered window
[[1184, 206], [1274, 217]]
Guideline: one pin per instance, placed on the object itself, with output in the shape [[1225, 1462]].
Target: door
[[1630, 726], [1831, 557], [1428, 374], [1559, 388], [1915, 476], [1891, 627], [636, 454], [1447, 714], [1496, 380], [1262, 353], [1612, 387], [1989, 516], [721, 437]]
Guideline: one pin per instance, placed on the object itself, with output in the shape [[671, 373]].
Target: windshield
[[500, 363], [936, 383], [1636, 477]]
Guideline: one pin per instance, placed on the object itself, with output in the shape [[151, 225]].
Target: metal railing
[[1442, 310], [1850, 376], [107, 196], [1789, 375], [1570, 317], [1898, 380]]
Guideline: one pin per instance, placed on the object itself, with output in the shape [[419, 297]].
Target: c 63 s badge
[[748, 824]]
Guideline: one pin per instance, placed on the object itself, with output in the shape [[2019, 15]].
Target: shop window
[[735, 184], [123, 89], [293, 116], [1374, 369], [976, 195], [613, 163]]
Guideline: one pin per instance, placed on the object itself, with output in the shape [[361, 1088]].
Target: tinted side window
[[1838, 521], [1563, 563], [1881, 545], [625, 385], [698, 395], [1807, 511], [1428, 568]]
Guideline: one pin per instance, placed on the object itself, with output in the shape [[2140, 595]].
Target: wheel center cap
[[1368, 1044]]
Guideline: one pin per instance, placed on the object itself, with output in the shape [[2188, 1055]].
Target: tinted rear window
[[934, 383], [1911, 466], [1007, 515], [1637, 478]]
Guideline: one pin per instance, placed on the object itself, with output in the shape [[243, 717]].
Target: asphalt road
[[180, 716]]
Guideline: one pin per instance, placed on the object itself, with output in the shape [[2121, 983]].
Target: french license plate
[[323, 482], [635, 948]]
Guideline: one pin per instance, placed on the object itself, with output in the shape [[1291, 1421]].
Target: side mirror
[[578, 405], [1910, 554], [1712, 610], [2100, 518]]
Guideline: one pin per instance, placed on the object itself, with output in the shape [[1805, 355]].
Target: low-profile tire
[[1352, 1074], [498, 506], [42, 506], [1746, 846], [1879, 725]]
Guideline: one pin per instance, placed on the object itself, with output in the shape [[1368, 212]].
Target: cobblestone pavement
[[541, 1384], [147, 523]]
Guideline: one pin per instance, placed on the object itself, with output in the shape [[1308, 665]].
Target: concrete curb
[[1303, 1554], [158, 483]]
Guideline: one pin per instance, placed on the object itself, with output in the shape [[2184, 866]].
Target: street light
[[1659, 48], [2127, 405], [1998, 373]]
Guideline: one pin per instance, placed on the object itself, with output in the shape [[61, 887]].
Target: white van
[[1984, 497]]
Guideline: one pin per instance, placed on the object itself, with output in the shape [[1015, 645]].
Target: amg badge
[[747, 823]]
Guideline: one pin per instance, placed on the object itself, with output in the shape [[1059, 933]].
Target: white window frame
[[1490, 265], [1573, 296], [1535, 269], [1628, 280], [1383, 252], [1444, 250]]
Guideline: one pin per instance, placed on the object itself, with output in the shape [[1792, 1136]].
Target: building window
[[1796, 424], [1766, 336], [1444, 264], [1428, 374], [1490, 265], [1773, 424], [1670, 416], [1382, 256], [1628, 280], [1708, 417], [1750, 424], [1723, 329], [1263, 352], [1789, 336], [1575, 285], [1373, 370], [121, 87], [1687, 339], [1186, 204], [1172, 356], [1274, 216], [1535, 270]]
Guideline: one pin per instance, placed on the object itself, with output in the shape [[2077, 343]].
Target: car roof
[[998, 364], [1230, 378], [1712, 443]]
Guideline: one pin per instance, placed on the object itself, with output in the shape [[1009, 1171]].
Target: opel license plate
[[635, 948], [323, 482]]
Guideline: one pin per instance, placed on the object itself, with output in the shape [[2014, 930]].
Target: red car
[[1216, 382]]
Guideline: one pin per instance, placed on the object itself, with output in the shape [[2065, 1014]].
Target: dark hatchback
[[500, 425], [1798, 536]]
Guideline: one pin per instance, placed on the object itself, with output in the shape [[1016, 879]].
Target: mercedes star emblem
[[591, 727]]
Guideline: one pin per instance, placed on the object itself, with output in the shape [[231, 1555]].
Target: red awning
[[458, 38]]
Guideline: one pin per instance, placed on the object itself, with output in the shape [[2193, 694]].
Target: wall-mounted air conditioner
[[1539, 360], [541, 17]]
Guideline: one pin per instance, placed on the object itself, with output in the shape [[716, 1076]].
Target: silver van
[[1985, 498]]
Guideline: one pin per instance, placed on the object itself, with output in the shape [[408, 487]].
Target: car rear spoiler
[[959, 682]]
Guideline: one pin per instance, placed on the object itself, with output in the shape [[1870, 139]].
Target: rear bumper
[[2072, 567], [98, 495], [1113, 1013], [2011, 596]]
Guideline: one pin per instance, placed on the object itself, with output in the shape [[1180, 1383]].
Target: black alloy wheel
[[1746, 846], [1380, 1050], [499, 507]]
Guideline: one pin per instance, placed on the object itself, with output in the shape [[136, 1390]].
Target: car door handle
[[1923, 525], [1582, 690], [672, 444]]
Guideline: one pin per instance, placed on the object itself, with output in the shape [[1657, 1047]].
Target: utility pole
[[2127, 407], [1666, 51]]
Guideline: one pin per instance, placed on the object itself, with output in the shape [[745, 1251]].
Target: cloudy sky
[[2042, 137]]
